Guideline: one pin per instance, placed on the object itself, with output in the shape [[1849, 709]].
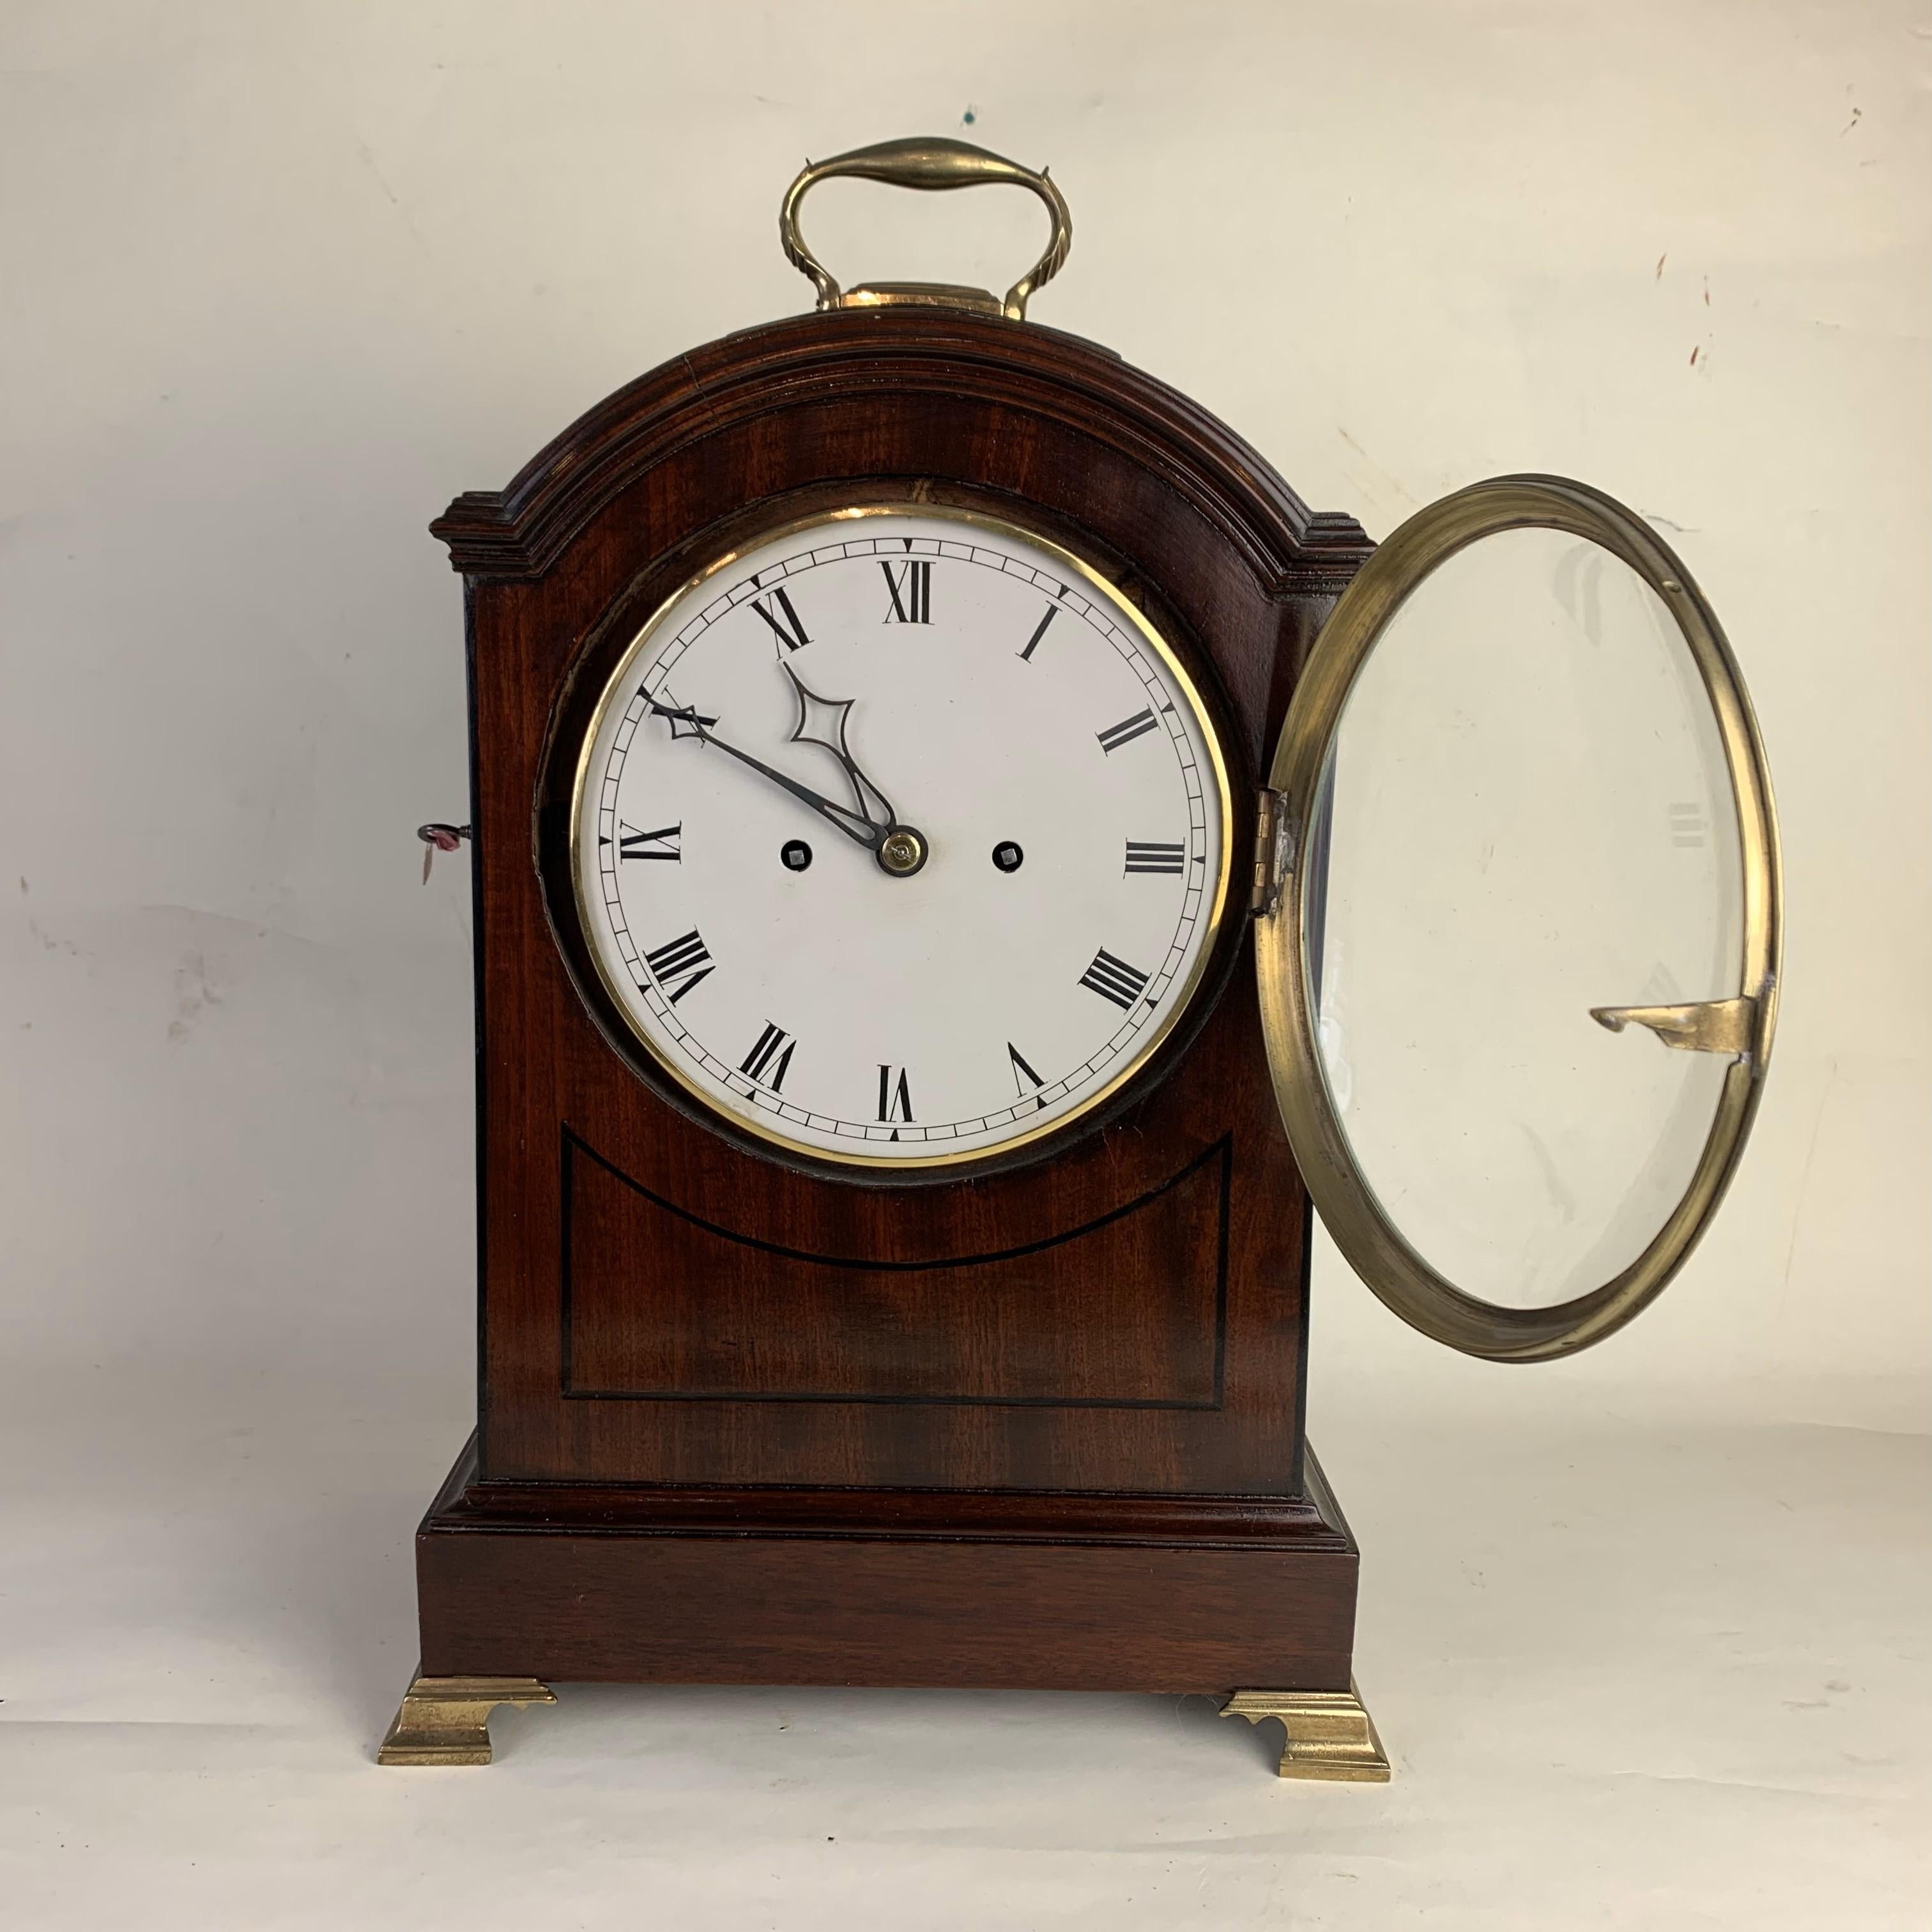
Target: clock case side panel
[[1079, 446]]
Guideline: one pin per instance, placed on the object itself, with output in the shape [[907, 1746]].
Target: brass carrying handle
[[932, 162]]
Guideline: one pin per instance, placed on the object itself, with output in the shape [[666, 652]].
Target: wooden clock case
[[745, 1421]]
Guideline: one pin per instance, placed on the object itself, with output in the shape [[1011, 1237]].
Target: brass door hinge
[[1273, 845]]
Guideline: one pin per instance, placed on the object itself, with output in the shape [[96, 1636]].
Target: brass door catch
[[1704, 1026]]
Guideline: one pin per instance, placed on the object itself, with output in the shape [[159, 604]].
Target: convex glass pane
[[1528, 814]]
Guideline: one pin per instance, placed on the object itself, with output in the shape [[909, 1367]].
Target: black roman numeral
[[1144, 857], [768, 1060], [684, 961], [661, 844], [783, 620], [911, 589], [1022, 1071], [895, 1097], [1125, 731], [1114, 979], [1039, 631]]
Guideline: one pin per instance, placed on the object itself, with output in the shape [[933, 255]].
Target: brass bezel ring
[[1342, 1193]]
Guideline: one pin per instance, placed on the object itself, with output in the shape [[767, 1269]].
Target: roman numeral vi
[[895, 1098]]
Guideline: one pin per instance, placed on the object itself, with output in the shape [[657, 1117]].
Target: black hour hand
[[821, 721]]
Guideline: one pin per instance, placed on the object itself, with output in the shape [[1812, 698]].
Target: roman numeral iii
[[1114, 979], [769, 1057], [777, 611], [911, 587], [680, 963], [661, 844], [1144, 857], [895, 1096], [1125, 731]]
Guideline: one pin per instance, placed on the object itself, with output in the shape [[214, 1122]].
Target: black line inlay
[[1220, 1152]]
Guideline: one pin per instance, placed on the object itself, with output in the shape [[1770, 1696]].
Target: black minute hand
[[856, 825]]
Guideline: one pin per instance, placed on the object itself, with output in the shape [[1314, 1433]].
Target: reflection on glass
[[1528, 814]]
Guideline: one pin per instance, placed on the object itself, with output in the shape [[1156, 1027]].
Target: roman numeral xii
[[911, 589]]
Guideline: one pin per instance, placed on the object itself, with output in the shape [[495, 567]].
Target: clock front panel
[[899, 838], [1051, 644]]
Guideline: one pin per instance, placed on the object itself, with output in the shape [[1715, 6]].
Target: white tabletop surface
[[1630, 1671]]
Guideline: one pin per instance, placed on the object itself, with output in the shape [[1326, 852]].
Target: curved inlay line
[[574, 1143]]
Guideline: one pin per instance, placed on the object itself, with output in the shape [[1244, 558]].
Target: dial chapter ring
[[606, 992]]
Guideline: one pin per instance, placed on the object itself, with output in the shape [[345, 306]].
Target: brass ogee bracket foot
[[1330, 1732], [446, 1719]]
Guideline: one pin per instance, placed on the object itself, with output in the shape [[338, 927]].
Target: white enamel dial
[[900, 838]]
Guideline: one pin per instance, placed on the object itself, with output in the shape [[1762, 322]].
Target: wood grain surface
[[742, 1417]]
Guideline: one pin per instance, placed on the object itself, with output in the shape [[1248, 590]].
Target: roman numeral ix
[[783, 619], [661, 844], [911, 590], [769, 1058], [1114, 979], [1144, 857], [680, 963], [1125, 731]]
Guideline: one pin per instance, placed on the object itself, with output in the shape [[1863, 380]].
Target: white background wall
[[278, 281]]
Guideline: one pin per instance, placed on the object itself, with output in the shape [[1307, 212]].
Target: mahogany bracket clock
[[966, 864]]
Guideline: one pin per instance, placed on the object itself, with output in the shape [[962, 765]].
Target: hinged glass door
[[1519, 980]]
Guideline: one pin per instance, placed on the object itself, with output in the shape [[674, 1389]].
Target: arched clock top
[[878, 357]]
